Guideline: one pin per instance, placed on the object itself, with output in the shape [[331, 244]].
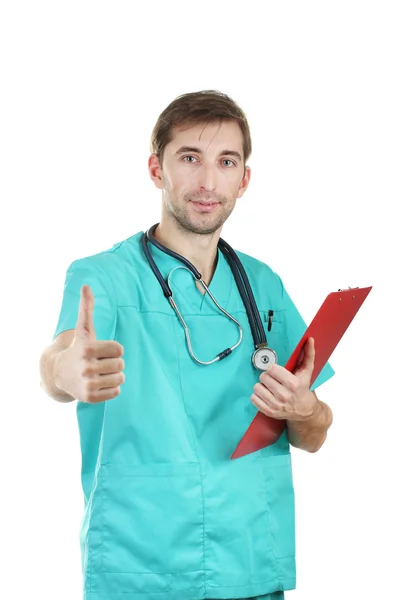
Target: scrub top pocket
[[148, 520], [152, 518]]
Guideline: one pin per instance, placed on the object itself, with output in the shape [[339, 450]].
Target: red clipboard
[[327, 328]]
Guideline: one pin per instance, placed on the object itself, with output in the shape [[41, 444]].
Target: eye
[[188, 156]]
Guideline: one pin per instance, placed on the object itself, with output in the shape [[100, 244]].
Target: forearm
[[48, 365], [310, 434]]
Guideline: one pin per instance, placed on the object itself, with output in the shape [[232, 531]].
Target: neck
[[200, 249]]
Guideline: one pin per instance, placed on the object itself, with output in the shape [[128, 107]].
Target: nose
[[208, 178]]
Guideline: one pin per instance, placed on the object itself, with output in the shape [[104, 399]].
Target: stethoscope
[[262, 356]]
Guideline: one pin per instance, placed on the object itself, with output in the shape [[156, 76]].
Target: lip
[[204, 203], [204, 206]]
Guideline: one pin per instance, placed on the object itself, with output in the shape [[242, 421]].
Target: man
[[168, 513]]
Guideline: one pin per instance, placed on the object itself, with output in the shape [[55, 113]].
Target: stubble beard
[[185, 223]]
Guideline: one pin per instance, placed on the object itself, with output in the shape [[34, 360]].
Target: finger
[[110, 381], [309, 354], [267, 397], [102, 396], [104, 366], [270, 384], [103, 349], [101, 383], [84, 326], [277, 373], [108, 366], [264, 408], [307, 362]]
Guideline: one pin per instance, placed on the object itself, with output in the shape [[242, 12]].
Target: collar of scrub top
[[262, 356]]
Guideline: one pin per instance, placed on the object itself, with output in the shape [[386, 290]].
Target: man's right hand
[[89, 370]]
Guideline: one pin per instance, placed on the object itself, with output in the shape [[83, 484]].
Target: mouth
[[207, 202], [204, 206]]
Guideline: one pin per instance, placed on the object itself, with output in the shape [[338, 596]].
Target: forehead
[[208, 136]]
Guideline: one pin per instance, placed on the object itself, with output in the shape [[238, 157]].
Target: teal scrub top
[[167, 514]]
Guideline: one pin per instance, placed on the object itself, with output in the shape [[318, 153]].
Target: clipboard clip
[[349, 288]]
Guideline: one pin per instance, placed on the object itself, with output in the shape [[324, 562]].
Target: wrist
[[315, 408], [312, 413]]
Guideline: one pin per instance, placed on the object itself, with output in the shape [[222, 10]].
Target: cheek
[[173, 177], [232, 190], [174, 189], [180, 185]]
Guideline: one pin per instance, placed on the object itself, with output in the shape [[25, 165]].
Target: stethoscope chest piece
[[263, 357]]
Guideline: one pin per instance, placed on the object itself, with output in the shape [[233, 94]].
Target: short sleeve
[[81, 272], [296, 326]]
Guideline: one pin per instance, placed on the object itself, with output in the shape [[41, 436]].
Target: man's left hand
[[285, 395]]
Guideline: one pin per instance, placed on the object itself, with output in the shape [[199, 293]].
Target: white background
[[82, 86]]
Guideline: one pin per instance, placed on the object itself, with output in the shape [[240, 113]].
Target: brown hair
[[207, 106]]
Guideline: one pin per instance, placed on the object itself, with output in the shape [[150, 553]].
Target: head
[[199, 149]]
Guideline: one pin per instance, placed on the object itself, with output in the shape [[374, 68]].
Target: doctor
[[166, 389]]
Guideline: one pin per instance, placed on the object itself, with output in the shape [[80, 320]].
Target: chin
[[204, 228]]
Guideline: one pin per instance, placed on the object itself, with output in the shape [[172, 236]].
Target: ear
[[155, 171], [244, 183]]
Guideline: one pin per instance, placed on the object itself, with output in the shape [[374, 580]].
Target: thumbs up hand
[[90, 370]]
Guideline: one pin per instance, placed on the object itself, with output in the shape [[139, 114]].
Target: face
[[202, 175]]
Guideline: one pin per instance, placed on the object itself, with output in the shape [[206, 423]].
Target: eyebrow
[[184, 149]]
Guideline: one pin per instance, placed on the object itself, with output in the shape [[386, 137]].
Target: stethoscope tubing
[[262, 355], [238, 271]]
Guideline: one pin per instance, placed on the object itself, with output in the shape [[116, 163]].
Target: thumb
[[306, 360], [84, 325]]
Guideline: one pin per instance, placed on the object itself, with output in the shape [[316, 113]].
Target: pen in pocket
[[270, 315]]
